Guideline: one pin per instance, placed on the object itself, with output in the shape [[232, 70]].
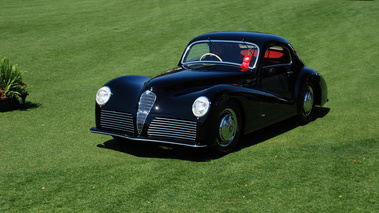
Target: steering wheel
[[211, 54]]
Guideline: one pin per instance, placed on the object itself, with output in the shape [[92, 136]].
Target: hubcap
[[227, 127], [308, 101]]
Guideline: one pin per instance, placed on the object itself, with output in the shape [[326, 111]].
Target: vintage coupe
[[226, 84]]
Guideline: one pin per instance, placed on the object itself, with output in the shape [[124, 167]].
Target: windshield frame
[[211, 42]]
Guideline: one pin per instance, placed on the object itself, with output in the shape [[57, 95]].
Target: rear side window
[[276, 55]]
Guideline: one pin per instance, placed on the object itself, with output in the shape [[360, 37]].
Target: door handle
[[271, 71]]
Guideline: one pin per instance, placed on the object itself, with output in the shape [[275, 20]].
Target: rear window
[[276, 55]]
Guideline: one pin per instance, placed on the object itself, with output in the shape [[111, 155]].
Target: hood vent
[[145, 104]]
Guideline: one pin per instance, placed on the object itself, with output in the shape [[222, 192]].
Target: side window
[[275, 55]]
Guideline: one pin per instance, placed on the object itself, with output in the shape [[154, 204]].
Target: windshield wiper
[[213, 46]]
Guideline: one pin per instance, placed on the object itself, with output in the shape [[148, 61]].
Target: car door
[[277, 81]]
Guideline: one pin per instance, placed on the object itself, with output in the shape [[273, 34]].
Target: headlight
[[200, 107], [103, 95]]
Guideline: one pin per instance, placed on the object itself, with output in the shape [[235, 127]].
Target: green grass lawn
[[49, 161]]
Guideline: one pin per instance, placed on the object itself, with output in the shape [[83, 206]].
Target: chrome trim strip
[[99, 131], [173, 128], [120, 121]]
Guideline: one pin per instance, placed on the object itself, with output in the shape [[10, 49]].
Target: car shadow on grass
[[274, 130], [154, 150]]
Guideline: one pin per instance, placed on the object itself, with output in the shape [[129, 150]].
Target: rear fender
[[318, 81]]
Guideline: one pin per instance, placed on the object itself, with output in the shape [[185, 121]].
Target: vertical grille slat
[[119, 121], [145, 104], [173, 128]]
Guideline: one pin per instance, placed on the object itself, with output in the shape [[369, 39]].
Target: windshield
[[231, 52]]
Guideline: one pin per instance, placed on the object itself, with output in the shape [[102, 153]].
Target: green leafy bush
[[11, 85]]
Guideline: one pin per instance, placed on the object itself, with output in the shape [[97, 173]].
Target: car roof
[[261, 39]]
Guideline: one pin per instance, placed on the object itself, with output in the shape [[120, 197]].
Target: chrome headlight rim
[[103, 95], [200, 106]]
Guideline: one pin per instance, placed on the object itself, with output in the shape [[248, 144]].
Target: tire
[[306, 103], [228, 129]]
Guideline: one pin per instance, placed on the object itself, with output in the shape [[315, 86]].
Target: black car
[[226, 84]]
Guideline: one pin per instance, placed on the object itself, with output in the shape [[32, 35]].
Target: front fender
[[249, 103], [125, 90]]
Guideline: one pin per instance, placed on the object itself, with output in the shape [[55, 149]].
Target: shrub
[[11, 84]]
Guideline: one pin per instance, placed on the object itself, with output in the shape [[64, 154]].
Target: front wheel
[[306, 103], [228, 129]]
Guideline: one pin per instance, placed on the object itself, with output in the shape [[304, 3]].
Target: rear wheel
[[228, 129], [306, 103]]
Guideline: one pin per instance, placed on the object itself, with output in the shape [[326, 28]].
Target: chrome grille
[[145, 104], [173, 128], [119, 121]]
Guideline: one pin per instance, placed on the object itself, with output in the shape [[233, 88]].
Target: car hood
[[183, 81], [174, 89]]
